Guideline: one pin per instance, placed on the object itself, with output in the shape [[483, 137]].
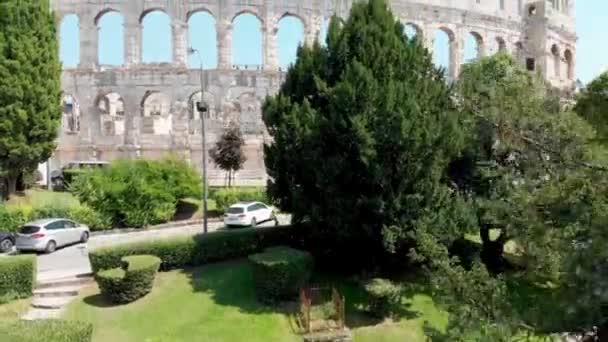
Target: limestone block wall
[[147, 110]]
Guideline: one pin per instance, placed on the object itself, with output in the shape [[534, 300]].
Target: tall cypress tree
[[362, 132], [30, 86]]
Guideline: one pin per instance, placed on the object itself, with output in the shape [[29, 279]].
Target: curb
[[169, 225]]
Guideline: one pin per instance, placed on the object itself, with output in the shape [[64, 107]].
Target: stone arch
[[412, 30], [474, 47], [444, 50], [247, 41], [556, 60], [110, 37], [290, 36], [155, 103], [110, 108], [192, 106], [157, 40], [569, 58], [501, 45], [70, 110], [69, 40], [247, 12], [202, 36]]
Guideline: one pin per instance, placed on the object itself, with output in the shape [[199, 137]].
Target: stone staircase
[[51, 296]]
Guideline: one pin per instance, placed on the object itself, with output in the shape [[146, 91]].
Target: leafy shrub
[[383, 295], [17, 275], [226, 197], [85, 215], [11, 219], [46, 330], [130, 282], [201, 249], [280, 272], [137, 193]]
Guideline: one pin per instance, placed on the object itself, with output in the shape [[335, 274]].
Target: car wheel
[[253, 222], [50, 247], [84, 237], [6, 245]]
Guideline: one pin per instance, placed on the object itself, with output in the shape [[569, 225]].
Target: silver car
[[48, 234]]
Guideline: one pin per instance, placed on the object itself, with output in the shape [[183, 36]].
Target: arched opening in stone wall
[[568, 56], [323, 33], [111, 46], [247, 47], [501, 45], [70, 118], [193, 113], [202, 36], [557, 65], [157, 37], [111, 110], [473, 47], [155, 103], [443, 50], [412, 31], [289, 37], [69, 41]]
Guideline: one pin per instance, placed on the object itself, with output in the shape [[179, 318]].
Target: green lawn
[[13, 310], [41, 198], [217, 303]]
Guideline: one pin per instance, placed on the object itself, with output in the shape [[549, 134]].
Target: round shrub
[[17, 276], [383, 294], [130, 282], [280, 272]]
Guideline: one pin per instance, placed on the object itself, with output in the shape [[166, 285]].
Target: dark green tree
[[592, 105], [29, 86], [362, 132], [228, 152]]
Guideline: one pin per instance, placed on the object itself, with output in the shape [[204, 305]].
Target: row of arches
[[562, 63], [157, 39], [156, 113]]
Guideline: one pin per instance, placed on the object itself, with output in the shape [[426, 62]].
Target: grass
[[217, 303], [41, 198], [11, 311]]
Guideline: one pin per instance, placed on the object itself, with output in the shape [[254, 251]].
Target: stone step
[[51, 302], [36, 314], [81, 279], [60, 291]]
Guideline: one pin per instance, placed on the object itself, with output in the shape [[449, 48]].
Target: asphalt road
[[74, 260]]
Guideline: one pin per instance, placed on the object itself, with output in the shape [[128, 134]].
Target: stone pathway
[[51, 296]]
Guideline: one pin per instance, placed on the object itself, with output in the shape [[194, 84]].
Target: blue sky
[[592, 49]]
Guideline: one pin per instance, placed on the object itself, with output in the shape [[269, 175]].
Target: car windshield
[[235, 210], [29, 229]]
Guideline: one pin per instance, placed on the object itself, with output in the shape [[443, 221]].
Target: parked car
[[248, 214], [48, 234], [7, 242]]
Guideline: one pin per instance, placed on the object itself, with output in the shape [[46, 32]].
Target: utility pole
[[201, 106]]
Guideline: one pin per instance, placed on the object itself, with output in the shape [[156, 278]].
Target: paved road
[[73, 260]]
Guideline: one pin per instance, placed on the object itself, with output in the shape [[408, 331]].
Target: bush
[[201, 249], [130, 282], [95, 220], [225, 197], [280, 272], [383, 295], [137, 193], [17, 275], [46, 330], [11, 219]]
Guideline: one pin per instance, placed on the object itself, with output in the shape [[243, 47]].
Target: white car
[[248, 214], [48, 234]]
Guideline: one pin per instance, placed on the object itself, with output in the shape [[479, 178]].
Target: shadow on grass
[[99, 301]]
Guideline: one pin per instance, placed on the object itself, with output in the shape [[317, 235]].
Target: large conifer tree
[[29, 86], [362, 131]]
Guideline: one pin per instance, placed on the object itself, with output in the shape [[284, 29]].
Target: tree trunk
[[12, 184], [230, 178]]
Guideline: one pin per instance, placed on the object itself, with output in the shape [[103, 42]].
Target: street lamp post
[[202, 109]]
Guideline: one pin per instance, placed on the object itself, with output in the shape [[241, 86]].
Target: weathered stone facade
[[148, 110]]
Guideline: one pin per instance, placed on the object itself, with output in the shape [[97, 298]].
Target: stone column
[[313, 30], [132, 113], [271, 58], [133, 41], [89, 37], [428, 38], [180, 42], [224, 44], [456, 55]]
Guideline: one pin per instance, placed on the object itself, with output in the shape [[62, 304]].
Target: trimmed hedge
[[280, 272], [225, 197], [131, 282], [201, 249], [46, 330], [17, 275]]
